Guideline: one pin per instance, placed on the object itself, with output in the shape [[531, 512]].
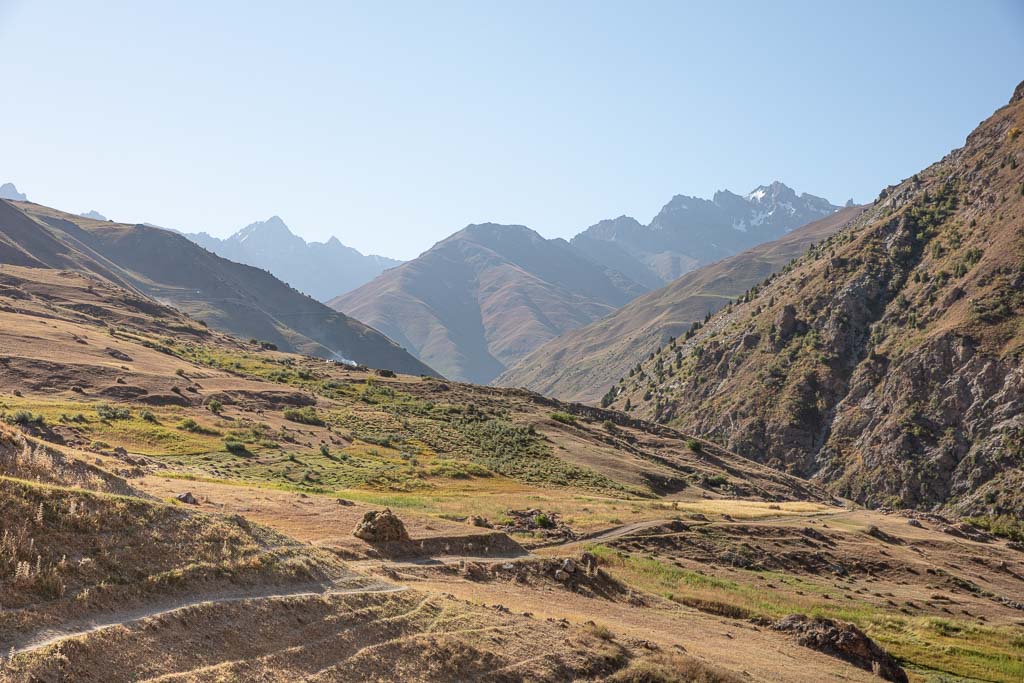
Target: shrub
[[715, 480], [325, 451], [543, 521], [610, 427], [268, 346], [306, 415], [180, 372], [190, 425], [601, 631], [564, 418], [236, 447], [25, 419], [214, 406], [148, 416], [109, 412], [695, 446], [386, 373]]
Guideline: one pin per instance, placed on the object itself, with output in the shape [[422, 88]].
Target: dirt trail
[[83, 627]]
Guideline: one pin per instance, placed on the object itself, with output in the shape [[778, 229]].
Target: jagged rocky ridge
[[690, 231]]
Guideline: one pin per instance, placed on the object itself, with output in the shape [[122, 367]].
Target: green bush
[[715, 480], [695, 446], [148, 416], [236, 447], [190, 425], [543, 521], [306, 416], [25, 418], [109, 412], [214, 406], [564, 418]]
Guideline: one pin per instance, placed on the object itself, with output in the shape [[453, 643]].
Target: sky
[[391, 125]]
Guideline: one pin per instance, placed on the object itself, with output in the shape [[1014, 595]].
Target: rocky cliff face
[[887, 361]]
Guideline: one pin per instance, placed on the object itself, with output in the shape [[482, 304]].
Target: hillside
[[180, 504], [319, 269], [689, 231], [481, 299], [581, 364], [887, 362], [164, 266]]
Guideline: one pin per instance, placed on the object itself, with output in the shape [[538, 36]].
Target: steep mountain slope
[[887, 362], [581, 364], [690, 231], [165, 266], [319, 269], [486, 296]]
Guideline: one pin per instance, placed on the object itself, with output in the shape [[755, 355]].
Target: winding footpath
[[50, 636]]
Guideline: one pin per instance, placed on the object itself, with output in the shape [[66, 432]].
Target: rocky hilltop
[[887, 361]]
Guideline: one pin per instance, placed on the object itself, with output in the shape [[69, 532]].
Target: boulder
[[187, 498], [844, 641], [568, 566], [381, 527]]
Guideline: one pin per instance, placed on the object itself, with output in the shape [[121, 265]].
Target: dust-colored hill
[[483, 298], [165, 266], [581, 364], [887, 362]]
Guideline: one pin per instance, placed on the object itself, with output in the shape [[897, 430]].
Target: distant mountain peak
[[320, 269], [272, 227], [93, 214], [9, 191], [690, 231]]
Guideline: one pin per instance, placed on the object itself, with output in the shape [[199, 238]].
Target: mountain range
[[581, 364], [162, 265], [886, 363], [486, 296], [320, 269], [480, 301], [690, 231]]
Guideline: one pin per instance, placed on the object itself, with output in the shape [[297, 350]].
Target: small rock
[[187, 498], [915, 523], [561, 576], [568, 566]]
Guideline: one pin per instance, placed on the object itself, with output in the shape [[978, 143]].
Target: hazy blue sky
[[392, 125]]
